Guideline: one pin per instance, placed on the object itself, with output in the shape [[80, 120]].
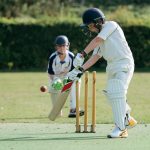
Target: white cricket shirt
[[114, 49], [56, 66]]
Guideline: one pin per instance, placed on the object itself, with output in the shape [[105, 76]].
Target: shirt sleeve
[[50, 68], [71, 55], [97, 51], [108, 28]]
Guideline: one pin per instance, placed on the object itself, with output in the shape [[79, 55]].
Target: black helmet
[[61, 40], [92, 15]]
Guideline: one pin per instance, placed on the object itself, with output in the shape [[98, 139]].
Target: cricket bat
[[60, 101]]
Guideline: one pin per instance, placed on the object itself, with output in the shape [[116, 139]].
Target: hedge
[[26, 47]]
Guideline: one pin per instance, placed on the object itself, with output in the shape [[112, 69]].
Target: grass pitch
[[24, 109], [22, 101], [33, 136]]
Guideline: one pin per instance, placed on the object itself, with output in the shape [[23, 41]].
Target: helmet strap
[[98, 23]]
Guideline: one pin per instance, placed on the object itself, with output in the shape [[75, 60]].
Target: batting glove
[[79, 59], [75, 74]]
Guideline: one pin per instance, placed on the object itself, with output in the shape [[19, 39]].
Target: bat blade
[[60, 101]]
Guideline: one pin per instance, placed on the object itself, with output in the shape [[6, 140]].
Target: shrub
[[29, 46]]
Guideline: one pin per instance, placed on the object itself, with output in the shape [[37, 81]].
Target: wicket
[[93, 123]]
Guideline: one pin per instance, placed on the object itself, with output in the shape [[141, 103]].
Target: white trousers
[[124, 76], [116, 91]]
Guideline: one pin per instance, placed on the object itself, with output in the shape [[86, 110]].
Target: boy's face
[[61, 49], [92, 28]]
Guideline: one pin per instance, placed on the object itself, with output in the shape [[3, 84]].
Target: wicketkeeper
[[110, 43], [60, 63]]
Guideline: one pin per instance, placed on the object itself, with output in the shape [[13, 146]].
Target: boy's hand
[[75, 74], [57, 84], [79, 59]]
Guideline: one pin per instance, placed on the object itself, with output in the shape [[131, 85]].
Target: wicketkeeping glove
[[57, 84]]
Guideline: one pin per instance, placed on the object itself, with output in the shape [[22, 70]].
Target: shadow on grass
[[3, 119], [53, 138]]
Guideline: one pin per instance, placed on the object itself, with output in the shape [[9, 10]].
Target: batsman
[[109, 43]]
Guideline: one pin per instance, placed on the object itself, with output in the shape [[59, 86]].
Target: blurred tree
[[9, 8], [33, 8], [15, 8]]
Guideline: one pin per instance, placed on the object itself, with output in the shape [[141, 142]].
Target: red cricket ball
[[43, 88]]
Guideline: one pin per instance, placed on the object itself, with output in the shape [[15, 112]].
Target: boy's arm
[[76, 73], [91, 61], [51, 77], [79, 59], [93, 44]]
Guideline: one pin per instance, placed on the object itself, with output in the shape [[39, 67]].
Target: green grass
[[33, 136], [21, 100]]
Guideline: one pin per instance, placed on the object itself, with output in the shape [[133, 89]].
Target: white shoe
[[117, 133], [130, 122]]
